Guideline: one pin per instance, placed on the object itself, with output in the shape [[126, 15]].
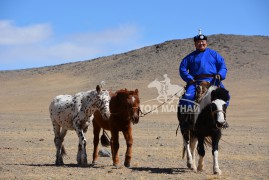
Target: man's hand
[[217, 76], [191, 82]]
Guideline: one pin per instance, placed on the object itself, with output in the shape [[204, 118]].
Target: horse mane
[[123, 94], [124, 101], [220, 93], [207, 98], [122, 91]]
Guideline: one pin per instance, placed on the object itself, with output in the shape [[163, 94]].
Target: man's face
[[201, 45]]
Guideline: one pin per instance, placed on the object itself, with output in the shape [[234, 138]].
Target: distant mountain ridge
[[246, 57]]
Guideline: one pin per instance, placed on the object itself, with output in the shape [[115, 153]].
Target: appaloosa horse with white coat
[[72, 113]]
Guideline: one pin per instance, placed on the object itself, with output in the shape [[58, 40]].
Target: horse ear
[[136, 91], [213, 95], [98, 89], [111, 93]]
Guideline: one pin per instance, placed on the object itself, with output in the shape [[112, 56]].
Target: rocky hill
[[247, 58]]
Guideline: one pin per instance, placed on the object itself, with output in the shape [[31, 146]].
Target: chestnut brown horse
[[124, 108]]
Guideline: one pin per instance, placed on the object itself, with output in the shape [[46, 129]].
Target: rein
[[215, 80], [144, 114]]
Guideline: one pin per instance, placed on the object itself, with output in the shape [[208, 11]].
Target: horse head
[[102, 101], [126, 104], [218, 106], [134, 103]]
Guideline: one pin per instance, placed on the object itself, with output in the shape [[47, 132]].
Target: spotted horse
[[69, 112]]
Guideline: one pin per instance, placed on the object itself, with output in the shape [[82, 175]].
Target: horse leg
[[81, 155], [129, 142], [58, 143], [185, 131], [215, 153], [115, 147], [193, 145], [187, 147], [201, 152], [62, 135], [96, 132]]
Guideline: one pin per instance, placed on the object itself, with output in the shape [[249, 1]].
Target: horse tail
[[63, 151], [208, 141]]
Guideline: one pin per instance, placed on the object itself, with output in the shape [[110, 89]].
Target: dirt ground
[[27, 150]]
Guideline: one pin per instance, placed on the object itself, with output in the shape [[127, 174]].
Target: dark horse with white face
[[206, 128], [124, 108]]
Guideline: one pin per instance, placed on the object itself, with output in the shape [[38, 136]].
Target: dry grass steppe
[[27, 150]]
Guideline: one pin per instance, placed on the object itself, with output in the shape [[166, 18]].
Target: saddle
[[201, 90]]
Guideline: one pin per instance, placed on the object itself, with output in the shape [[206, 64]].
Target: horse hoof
[[117, 166], [94, 163], [59, 163], [191, 167], [84, 165], [79, 162], [128, 165], [217, 172], [200, 168]]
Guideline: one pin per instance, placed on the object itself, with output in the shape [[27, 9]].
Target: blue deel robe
[[201, 62]]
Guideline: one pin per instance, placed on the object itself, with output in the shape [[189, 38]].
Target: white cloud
[[13, 35], [34, 45], [117, 36]]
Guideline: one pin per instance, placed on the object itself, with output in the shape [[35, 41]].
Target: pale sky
[[37, 33]]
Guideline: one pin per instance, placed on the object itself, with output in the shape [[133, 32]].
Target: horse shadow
[[161, 170], [71, 165], [146, 169]]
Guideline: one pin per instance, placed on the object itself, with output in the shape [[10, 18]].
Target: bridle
[[215, 112]]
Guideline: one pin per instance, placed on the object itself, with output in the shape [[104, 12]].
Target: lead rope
[[104, 132], [169, 99]]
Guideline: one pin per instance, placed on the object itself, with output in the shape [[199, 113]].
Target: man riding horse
[[202, 65]]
